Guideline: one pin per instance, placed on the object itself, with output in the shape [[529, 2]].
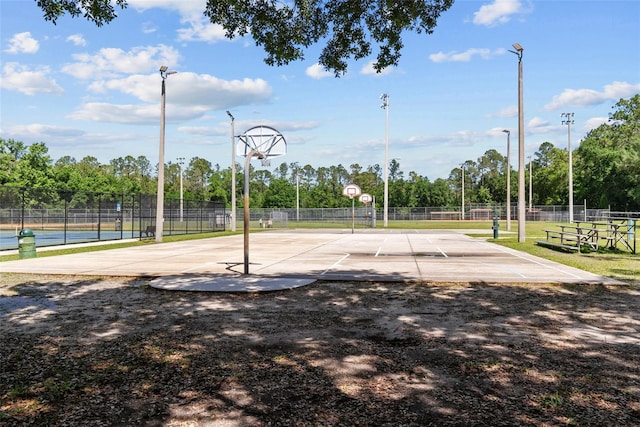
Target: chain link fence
[[60, 217]]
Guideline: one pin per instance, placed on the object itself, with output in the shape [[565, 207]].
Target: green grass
[[620, 265]]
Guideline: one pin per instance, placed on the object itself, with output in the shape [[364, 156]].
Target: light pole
[[297, 194], [530, 184], [569, 121], [385, 105], [521, 196], [462, 198], [233, 172], [180, 163], [508, 132], [160, 198]]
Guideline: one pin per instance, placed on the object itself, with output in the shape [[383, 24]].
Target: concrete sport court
[[281, 259]]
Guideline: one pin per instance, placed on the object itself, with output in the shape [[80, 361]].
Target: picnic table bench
[[593, 235]]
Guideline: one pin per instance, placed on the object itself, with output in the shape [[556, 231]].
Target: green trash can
[[496, 225], [26, 244]]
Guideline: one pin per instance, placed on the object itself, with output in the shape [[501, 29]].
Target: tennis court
[[9, 238]]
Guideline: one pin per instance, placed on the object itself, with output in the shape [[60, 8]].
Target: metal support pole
[[508, 132], [530, 184], [247, 163], [353, 215], [462, 195], [521, 191], [181, 162], [233, 172], [160, 194], [385, 105], [297, 195], [569, 121]]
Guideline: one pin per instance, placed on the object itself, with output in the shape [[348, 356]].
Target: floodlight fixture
[[518, 50]]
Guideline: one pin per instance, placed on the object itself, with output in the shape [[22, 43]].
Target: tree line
[[606, 173]]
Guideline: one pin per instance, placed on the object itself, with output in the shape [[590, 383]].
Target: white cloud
[[77, 40], [510, 111], [41, 132], [282, 126], [202, 130], [317, 71], [149, 28], [197, 27], [109, 62], [593, 123], [467, 55], [189, 7], [127, 114], [200, 30], [498, 12], [587, 97], [189, 96], [368, 69], [30, 82], [463, 138], [23, 43]]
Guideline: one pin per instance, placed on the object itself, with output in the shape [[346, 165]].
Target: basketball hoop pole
[[262, 142], [247, 163]]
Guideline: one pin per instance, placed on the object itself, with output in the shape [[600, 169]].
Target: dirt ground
[[115, 352]]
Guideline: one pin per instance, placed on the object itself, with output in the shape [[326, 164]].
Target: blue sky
[[95, 91]]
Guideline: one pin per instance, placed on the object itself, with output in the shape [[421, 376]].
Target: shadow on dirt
[[116, 352]]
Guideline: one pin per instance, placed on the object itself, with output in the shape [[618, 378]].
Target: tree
[[197, 176], [551, 175], [608, 160], [280, 194], [348, 28], [97, 11]]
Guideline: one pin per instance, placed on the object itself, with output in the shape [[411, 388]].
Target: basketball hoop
[[365, 198], [263, 142], [351, 191]]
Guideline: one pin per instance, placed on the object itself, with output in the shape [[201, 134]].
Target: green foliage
[[551, 175], [606, 173], [608, 160], [97, 11], [348, 28], [280, 194]]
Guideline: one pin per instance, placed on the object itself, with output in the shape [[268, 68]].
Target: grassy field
[[616, 264]]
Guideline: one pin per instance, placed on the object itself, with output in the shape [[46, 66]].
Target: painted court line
[[538, 262], [335, 264]]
